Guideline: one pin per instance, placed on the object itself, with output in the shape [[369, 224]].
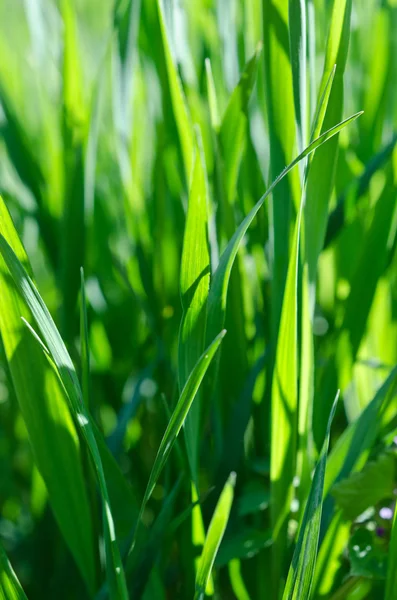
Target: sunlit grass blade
[[300, 576], [71, 384], [44, 407], [322, 170], [214, 536], [220, 281], [10, 588], [194, 286], [212, 97], [282, 141], [284, 411], [177, 420]]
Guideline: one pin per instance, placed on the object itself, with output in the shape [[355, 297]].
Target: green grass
[[198, 253]]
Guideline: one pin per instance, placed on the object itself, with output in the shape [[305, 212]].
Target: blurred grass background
[[97, 151]]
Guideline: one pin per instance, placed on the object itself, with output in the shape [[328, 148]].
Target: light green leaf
[[214, 536], [375, 482]]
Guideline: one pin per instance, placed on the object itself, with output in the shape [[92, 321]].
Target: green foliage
[[169, 171]]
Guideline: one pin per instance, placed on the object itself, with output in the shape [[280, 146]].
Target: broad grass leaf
[[300, 576], [43, 403], [214, 536], [10, 588], [69, 379]]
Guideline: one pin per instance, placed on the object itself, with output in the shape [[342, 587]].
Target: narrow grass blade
[[82, 418], [214, 537], [194, 286], [177, 420], [181, 114], [282, 139], [219, 286], [284, 411], [10, 588], [212, 97], [322, 169], [44, 407], [300, 576]]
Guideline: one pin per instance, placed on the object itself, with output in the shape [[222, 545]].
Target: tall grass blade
[[82, 418], [44, 407], [300, 576], [214, 536]]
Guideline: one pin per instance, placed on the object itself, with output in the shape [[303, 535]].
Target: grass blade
[[194, 286], [219, 286], [177, 420], [300, 576], [214, 536], [71, 384], [44, 407], [297, 39], [10, 588]]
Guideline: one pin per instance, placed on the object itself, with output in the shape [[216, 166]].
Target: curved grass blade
[[82, 418], [10, 588], [177, 420], [216, 307], [214, 536], [300, 576]]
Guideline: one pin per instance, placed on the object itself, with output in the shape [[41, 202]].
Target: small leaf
[[10, 588], [362, 490], [368, 556]]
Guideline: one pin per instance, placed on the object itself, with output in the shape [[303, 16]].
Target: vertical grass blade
[[281, 123], [214, 536], [300, 576], [322, 171], [181, 114], [194, 286]]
